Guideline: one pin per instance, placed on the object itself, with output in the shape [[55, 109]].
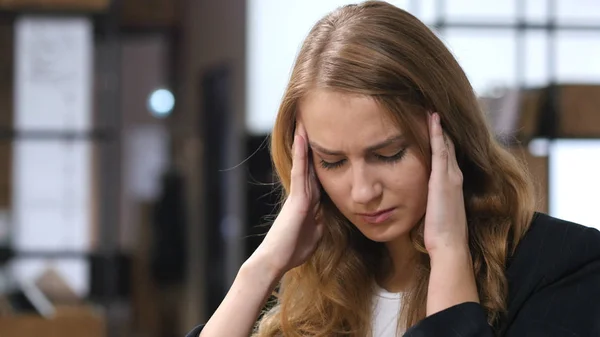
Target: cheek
[[409, 182], [336, 187], [331, 184], [408, 191]]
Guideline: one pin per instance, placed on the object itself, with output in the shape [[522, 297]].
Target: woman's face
[[370, 172]]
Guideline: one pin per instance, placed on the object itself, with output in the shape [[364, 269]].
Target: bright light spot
[[161, 103]]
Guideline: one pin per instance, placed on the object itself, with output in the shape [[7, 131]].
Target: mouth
[[377, 217]]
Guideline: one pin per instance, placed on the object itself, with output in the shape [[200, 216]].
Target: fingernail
[[436, 118]]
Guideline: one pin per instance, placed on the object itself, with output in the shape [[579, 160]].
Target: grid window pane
[[480, 10], [53, 73], [51, 195], [578, 12], [275, 33], [574, 182], [426, 10], [536, 58], [487, 56], [536, 11], [578, 57]]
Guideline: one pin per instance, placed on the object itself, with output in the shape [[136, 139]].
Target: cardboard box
[[527, 126], [514, 114], [578, 112], [68, 322], [58, 5], [562, 111], [141, 13], [149, 13]]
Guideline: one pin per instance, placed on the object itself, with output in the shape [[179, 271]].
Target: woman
[[402, 215]]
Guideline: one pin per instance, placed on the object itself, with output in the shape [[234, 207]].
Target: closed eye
[[393, 158], [386, 159], [330, 166]]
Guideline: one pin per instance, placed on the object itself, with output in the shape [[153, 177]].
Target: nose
[[366, 189]]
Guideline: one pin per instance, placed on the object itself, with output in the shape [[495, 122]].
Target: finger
[[312, 181], [452, 163], [298, 174], [453, 167], [439, 150], [302, 133]]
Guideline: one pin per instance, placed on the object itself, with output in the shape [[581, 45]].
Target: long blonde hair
[[381, 51]]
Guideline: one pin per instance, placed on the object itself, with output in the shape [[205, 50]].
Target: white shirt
[[386, 308]]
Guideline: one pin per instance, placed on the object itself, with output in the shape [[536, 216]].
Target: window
[[573, 180]]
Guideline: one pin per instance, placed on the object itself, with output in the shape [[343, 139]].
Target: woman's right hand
[[294, 235], [292, 239]]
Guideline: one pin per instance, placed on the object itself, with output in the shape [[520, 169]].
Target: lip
[[377, 217]]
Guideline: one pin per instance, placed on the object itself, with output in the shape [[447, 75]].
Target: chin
[[384, 233], [385, 238]]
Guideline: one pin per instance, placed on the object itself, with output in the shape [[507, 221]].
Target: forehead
[[337, 119]]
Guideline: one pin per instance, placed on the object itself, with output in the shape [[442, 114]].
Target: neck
[[400, 275]]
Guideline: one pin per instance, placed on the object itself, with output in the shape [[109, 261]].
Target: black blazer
[[554, 289]]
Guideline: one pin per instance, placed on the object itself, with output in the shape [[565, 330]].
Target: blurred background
[[134, 176]]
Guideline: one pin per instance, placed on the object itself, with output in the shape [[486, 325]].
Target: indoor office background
[[134, 173]]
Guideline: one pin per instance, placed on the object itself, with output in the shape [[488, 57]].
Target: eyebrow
[[375, 147]]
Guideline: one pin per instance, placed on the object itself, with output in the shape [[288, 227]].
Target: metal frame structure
[[106, 137]]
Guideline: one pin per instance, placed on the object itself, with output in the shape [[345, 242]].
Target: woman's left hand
[[445, 219], [452, 280]]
